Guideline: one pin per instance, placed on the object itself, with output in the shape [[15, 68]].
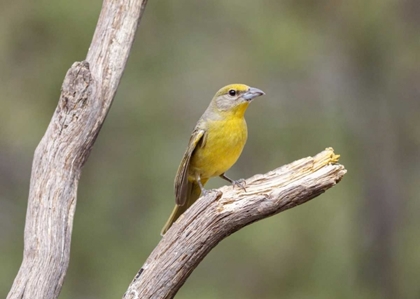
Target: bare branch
[[87, 93], [224, 211]]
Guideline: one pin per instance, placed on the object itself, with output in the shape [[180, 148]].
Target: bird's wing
[[181, 178]]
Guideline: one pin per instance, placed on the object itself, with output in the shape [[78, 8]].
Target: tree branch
[[87, 93], [223, 212]]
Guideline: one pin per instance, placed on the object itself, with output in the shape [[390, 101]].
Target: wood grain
[[86, 96], [224, 211]]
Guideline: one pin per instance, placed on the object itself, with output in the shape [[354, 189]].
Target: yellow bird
[[215, 144]]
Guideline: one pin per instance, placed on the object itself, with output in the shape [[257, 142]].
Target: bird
[[215, 145]]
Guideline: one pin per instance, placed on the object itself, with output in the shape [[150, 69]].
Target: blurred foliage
[[336, 73]]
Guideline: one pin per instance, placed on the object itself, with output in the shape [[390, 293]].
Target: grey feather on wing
[[181, 178]]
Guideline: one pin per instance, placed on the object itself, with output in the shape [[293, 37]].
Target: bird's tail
[[194, 192]]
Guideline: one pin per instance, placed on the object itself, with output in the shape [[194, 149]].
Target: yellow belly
[[223, 146]]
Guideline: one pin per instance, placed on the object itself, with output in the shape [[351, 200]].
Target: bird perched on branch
[[215, 144]]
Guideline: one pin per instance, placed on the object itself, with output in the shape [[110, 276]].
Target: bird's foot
[[241, 183], [205, 192]]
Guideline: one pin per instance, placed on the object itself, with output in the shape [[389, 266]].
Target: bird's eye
[[232, 92]]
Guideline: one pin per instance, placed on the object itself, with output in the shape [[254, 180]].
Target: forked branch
[[223, 212]]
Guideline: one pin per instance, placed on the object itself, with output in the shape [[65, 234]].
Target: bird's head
[[235, 98]]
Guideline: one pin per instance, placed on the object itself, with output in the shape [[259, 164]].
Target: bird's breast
[[223, 145]]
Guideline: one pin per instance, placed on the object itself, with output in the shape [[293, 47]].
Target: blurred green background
[[344, 74]]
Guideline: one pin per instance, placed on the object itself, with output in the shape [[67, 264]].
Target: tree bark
[[86, 96], [223, 212]]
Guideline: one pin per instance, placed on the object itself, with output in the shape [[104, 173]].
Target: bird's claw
[[241, 183], [205, 192]]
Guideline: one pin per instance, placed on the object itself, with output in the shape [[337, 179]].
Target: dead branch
[[87, 93], [223, 212]]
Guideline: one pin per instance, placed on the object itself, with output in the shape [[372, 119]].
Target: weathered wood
[[224, 211], [87, 93]]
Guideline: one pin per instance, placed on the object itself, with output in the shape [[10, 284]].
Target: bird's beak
[[252, 93]]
